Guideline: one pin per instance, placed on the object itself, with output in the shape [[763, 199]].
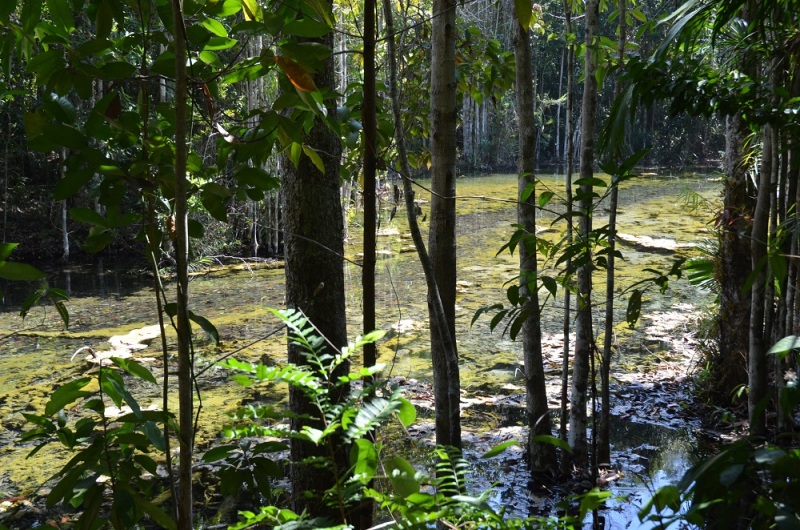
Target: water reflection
[[108, 300]]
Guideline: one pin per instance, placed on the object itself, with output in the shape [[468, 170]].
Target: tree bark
[[370, 215], [442, 236], [584, 342], [729, 369], [757, 362], [185, 368], [542, 456], [312, 220], [568, 153], [604, 434]]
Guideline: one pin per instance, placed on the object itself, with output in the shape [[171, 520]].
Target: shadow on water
[[108, 302], [645, 457]]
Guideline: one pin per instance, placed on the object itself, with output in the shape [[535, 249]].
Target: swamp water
[[652, 442]]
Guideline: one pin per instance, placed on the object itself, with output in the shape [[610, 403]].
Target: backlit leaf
[[19, 271], [494, 451], [315, 158], [251, 10], [524, 10], [296, 74]]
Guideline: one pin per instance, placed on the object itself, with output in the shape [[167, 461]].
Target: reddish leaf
[[296, 74], [114, 108]]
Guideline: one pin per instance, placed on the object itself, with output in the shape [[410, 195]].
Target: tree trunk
[[185, 368], [604, 434], [442, 237], [729, 369], [64, 208], [757, 362], [584, 342], [542, 455], [568, 153], [312, 220], [368, 117]]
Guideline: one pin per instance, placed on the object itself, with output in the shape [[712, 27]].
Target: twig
[[265, 337]]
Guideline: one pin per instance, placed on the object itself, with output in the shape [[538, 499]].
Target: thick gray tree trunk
[[584, 342], [442, 236], [734, 253], [542, 455], [314, 247]]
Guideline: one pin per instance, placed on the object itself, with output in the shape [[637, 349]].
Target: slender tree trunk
[[369, 120], [604, 434], [64, 208], [568, 152], [757, 362], [584, 342], [558, 107], [442, 237], [185, 368], [315, 285], [5, 175], [542, 455], [370, 215]]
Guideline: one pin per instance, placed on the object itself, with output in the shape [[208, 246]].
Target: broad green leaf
[[407, 412], [401, 475], [785, 345], [214, 27], [590, 181], [207, 326], [558, 442], [258, 178], [315, 158], [15, 271], [41, 421], [634, 308], [323, 9], [196, 229], [251, 10], [45, 64], [524, 10], [6, 8], [65, 136], [223, 8], [306, 27], [527, 192], [544, 198], [63, 312], [72, 182], [61, 14], [30, 15], [66, 394], [134, 368], [117, 70], [87, 215], [104, 20], [494, 451], [155, 435], [6, 249], [218, 453], [155, 513], [364, 460]]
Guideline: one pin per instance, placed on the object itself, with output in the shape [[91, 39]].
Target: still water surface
[[107, 301]]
